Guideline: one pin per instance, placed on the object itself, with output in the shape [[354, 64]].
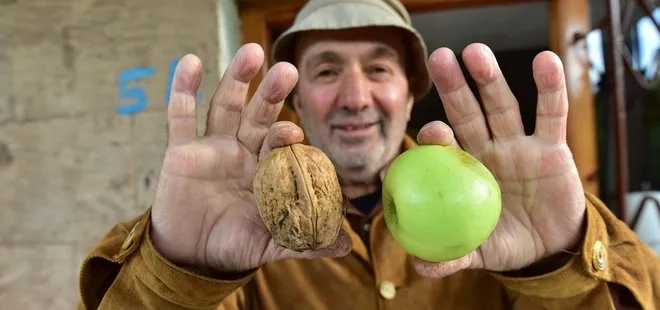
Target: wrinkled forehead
[[335, 45]]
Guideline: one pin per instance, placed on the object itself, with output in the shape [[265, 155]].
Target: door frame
[[568, 21]]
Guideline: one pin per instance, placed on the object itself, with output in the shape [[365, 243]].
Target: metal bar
[[618, 104]]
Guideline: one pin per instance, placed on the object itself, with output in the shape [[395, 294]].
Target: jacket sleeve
[[124, 271], [613, 269]]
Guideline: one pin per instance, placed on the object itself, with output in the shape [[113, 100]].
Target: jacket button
[[599, 256], [387, 290]]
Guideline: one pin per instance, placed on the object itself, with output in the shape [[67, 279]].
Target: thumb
[[281, 134], [437, 132], [341, 247], [444, 269]]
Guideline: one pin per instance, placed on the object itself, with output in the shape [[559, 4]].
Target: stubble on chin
[[357, 167], [352, 166]]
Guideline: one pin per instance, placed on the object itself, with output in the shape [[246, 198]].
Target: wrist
[[197, 269], [213, 274], [156, 242], [554, 261], [190, 266], [543, 266]]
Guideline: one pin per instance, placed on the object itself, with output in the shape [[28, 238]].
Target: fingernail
[[433, 127], [296, 132]]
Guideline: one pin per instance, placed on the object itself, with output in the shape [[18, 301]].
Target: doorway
[[515, 32]]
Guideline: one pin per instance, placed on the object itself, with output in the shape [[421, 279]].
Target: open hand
[[205, 214], [543, 202]]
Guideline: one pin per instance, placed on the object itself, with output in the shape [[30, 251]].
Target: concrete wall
[[79, 153]]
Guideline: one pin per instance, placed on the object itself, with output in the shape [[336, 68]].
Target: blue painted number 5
[[136, 93]]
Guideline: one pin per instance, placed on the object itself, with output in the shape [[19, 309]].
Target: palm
[[205, 215], [216, 175], [543, 202], [538, 183]]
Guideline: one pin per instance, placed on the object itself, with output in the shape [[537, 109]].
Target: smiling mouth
[[354, 127]]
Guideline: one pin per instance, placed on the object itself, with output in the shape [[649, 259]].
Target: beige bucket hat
[[346, 14]]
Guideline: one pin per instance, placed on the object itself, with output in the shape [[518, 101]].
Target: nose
[[355, 92]]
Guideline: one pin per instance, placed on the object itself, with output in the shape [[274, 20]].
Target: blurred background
[[84, 86]]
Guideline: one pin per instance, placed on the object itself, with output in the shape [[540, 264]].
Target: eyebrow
[[378, 52], [324, 57], [382, 51]]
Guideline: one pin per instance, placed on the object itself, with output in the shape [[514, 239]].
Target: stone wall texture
[[83, 87]]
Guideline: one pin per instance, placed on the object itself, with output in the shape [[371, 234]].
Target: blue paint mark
[[137, 93], [170, 79]]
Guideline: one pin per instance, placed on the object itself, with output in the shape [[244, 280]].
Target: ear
[[295, 101]]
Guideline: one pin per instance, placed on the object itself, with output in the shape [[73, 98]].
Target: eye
[[379, 72], [378, 69], [326, 72]]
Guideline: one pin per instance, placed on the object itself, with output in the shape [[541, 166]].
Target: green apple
[[440, 203]]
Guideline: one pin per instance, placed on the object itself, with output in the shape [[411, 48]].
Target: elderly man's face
[[353, 97]]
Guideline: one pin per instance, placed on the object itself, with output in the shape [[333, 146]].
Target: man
[[359, 69]]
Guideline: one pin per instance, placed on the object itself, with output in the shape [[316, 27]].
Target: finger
[[437, 132], [281, 134], [265, 106], [181, 115], [461, 107], [224, 115], [443, 269], [341, 247], [501, 106], [552, 106]]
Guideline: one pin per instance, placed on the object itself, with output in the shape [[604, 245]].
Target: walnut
[[299, 197]]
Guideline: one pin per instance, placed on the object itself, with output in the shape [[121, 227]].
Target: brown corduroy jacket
[[612, 269]]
